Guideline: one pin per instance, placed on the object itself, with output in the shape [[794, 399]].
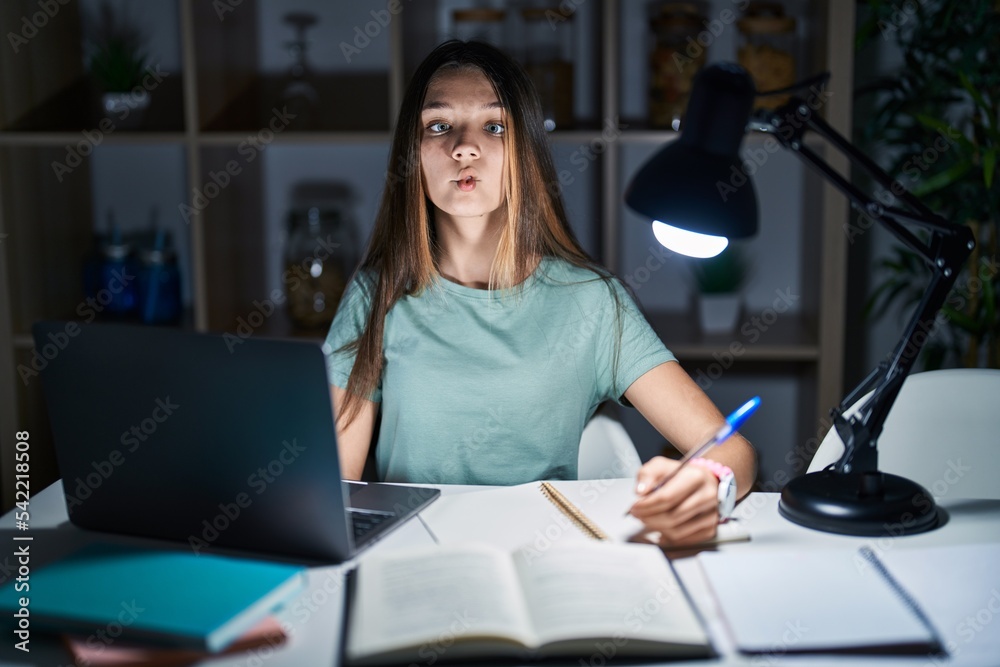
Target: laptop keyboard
[[365, 521]]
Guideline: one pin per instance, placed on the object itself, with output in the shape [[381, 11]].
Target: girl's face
[[461, 147]]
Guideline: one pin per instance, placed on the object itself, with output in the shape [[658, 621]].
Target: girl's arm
[[686, 508], [354, 441]]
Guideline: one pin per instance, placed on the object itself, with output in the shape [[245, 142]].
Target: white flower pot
[[719, 313], [125, 109]]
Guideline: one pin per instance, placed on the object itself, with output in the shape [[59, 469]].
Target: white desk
[[316, 617]]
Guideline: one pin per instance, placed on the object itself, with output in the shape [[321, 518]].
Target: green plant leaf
[[989, 164], [942, 179]]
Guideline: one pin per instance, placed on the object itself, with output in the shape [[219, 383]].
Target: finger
[[653, 472], [666, 499], [701, 529], [701, 502]]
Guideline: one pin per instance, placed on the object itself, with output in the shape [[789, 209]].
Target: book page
[[598, 590], [430, 598]]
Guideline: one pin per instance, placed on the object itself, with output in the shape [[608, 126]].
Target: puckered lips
[[467, 179]]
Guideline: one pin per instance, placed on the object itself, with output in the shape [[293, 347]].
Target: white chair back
[[942, 432], [606, 451]]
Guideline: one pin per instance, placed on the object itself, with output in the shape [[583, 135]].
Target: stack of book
[[118, 605]]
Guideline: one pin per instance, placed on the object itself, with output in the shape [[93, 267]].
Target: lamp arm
[[946, 253]]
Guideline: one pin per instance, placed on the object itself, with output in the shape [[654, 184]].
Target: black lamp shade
[[696, 182]]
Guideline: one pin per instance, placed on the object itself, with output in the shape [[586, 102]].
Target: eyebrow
[[444, 105]]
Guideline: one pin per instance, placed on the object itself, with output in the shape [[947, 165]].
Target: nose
[[465, 145]]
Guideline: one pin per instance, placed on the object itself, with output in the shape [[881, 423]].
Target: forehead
[[460, 88]]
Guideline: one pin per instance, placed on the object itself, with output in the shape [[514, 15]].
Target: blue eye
[[495, 128], [439, 126]]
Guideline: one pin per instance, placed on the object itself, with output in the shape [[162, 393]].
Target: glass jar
[[548, 59], [767, 50], [676, 58], [320, 256], [479, 23]]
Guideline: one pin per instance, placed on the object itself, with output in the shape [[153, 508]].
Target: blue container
[[159, 286], [110, 279]]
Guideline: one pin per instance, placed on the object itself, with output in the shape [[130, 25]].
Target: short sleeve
[[638, 349], [348, 325]]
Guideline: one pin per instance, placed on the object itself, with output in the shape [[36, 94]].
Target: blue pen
[[733, 423]]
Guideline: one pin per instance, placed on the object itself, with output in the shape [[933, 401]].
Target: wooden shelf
[[344, 102], [789, 337], [77, 108]]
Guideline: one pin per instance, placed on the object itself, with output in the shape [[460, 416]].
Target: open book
[[476, 601]]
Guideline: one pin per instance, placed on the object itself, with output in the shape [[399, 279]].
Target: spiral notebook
[[809, 601], [546, 513]]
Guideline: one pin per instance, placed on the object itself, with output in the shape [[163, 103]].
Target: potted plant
[[719, 281], [117, 64], [938, 118]]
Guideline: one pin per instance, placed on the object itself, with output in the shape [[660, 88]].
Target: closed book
[[91, 652], [170, 598]]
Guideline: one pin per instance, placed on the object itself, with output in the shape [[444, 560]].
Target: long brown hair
[[401, 252]]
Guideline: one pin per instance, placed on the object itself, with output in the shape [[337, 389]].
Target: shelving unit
[[222, 94]]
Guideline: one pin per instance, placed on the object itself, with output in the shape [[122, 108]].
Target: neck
[[467, 247]]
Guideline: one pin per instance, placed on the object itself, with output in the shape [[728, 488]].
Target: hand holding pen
[[733, 423]]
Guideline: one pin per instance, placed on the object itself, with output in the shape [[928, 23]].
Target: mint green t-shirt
[[482, 389]]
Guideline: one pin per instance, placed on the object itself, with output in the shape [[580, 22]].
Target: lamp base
[[858, 503]]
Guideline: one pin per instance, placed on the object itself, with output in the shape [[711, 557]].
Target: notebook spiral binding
[[572, 511], [869, 555]]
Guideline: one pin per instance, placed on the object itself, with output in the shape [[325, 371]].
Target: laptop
[[191, 437]]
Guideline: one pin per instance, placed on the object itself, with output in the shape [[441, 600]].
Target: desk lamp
[[687, 189]]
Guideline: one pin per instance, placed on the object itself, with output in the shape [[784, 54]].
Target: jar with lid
[[673, 62], [767, 50], [547, 56], [319, 254], [482, 24]]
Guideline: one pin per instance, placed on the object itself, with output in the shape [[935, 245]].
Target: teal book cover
[[172, 598]]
